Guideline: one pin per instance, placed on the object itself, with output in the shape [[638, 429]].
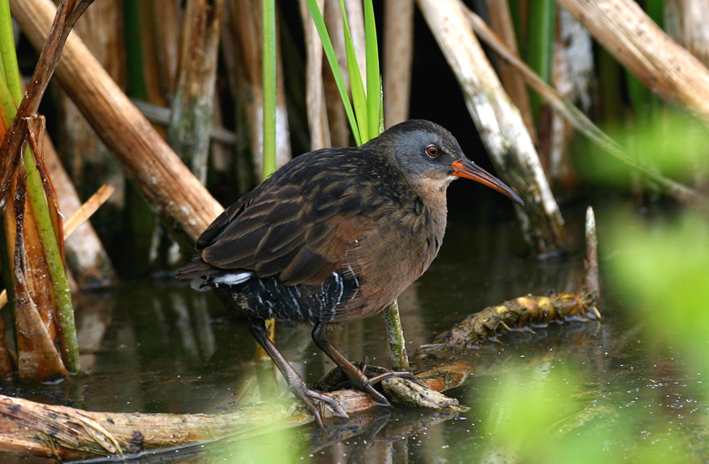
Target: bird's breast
[[392, 256]]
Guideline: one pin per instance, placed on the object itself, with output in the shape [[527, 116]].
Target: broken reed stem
[[580, 121], [82, 215], [88, 209], [51, 241], [590, 263], [395, 337], [40, 193]]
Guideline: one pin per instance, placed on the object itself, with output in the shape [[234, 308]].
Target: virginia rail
[[335, 235]]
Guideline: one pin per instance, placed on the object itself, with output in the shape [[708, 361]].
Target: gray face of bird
[[433, 159], [430, 158], [426, 155]]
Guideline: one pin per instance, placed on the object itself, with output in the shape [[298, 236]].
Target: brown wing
[[278, 233]]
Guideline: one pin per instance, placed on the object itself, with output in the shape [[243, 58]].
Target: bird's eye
[[432, 151]]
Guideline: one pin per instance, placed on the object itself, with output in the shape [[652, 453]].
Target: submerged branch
[[521, 314]]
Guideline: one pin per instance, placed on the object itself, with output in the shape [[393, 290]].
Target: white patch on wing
[[204, 283], [232, 279]]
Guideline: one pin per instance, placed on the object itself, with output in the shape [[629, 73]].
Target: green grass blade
[[374, 87], [334, 66], [8, 53], [269, 88], [359, 97]]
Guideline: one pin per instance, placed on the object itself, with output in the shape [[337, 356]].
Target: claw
[[314, 401]]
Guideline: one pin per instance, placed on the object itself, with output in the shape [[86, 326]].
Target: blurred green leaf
[[277, 447], [549, 414], [525, 405], [672, 143], [662, 269]]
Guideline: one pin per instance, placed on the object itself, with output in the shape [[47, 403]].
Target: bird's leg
[[356, 376], [295, 381]]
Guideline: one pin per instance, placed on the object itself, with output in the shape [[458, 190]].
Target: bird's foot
[[360, 381], [314, 400]]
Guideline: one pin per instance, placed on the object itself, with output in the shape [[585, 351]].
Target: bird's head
[[431, 157]]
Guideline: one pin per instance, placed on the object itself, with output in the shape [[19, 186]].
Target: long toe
[[314, 395], [377, 398], [387, 375]]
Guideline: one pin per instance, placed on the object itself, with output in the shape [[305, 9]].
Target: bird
[[335, 235]]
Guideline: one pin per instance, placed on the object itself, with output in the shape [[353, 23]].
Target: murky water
[[160, 347]]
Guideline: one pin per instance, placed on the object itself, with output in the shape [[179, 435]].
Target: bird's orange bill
[[469, 170]]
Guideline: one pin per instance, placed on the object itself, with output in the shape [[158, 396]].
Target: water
[[161, 347]]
